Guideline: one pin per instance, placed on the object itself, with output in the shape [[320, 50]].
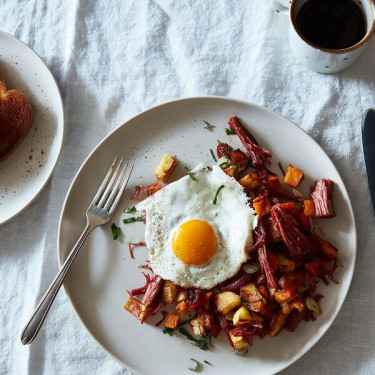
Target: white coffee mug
[[318, 59]]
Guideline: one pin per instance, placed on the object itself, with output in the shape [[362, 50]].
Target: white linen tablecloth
[[113, 59]]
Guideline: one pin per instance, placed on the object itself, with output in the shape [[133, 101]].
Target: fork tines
[[110, 192]]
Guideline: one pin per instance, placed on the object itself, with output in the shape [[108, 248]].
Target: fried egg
[[192, 241]]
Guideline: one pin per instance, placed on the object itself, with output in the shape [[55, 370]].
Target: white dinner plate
[[24, 174], [103, 270]]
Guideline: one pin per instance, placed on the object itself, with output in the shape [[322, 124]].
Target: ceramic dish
[[24, 174], [103, 270]]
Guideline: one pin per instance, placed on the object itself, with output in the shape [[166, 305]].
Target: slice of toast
[[16, 117]]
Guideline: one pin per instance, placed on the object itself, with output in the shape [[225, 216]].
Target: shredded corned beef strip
[[298, 244], [223, 149], [143, 191], [259, 156], [225, 327], [132, 245], [247, 330], [322, 197], [164, 313], [260, 233], [238, 281], [153, 290], [141, 290], [330, 273]]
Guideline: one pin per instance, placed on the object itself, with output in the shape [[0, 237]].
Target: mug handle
[[281, 6]]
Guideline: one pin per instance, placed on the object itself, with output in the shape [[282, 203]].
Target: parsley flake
[[229, 131], [190, 174], [129, 210], [208, 363], [281, 168], [235, 172], [168, 331], [209, 126], [201, 343], [132, 219], [217, 193], [195, 367], [213, 155], [116, 231]]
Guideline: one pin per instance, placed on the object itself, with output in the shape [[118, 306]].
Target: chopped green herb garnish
[[116, 231], [213, 155], [281, 168], [217, 193], [201, 343], [168, 331], [195, 367], [224, 164], [129, 210], [208, 125], [229, 131], [190, 174], [242, 353], [235, 172], [218, 142], [208, 363], [132, 219]]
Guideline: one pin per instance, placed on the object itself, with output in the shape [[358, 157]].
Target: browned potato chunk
[[166, 166], [277, 323], [172, 321], [197, 328], [251, 293], [136, 308], [244, 316], [169, 291], [239, 342], [227, 301]]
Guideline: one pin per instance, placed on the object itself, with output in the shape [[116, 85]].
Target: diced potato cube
[[296, 303], [183, 308], [262, 206], [166, 166], [251, 293], [172, 321], [239, 342], [182, 295], [286, 294], [293, 176], [169, 291], [244, 316], [136, 308], [285, 265], [277, 323], [328, 251], [197, 328], [250, 181], [308, 208], [227, 301]]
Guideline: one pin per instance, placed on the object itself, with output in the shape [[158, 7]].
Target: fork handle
[[35, 322]]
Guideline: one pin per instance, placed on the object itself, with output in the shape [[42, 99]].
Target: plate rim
[[308, 346], [16, 40]]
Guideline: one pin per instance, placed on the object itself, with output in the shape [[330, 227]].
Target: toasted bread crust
[[16, 117]]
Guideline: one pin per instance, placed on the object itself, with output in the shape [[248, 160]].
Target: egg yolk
[[194, 242]]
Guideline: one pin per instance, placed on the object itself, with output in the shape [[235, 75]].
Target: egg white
[[231, 218]]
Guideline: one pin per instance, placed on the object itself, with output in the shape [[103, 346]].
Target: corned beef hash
[[232, 246]]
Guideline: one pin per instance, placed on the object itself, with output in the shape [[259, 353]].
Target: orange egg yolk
[[194, 242]]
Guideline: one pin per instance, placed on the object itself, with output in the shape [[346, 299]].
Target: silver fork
[[99, 212]]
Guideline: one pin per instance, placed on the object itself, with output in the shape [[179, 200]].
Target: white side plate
[[103, 271], [27, 170]]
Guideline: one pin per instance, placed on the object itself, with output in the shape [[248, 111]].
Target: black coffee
[[333, 24]]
